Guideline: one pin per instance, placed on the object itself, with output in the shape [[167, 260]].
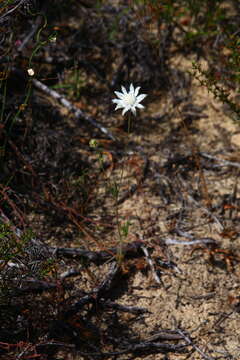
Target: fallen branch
[[195, 347], [221, 161], [171, 241], [151, 265], [36, 286], [141, 348], [71, 108], [21, 2], [119, 307], [99, 293], [130, 250]]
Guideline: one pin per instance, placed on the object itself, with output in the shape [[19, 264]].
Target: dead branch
[[99, 293], [221, 161], [30, 35], [50, 345], [130, 250], [71, 108], [141, 348], [119, 307], [35, 286], [147, 345], [189, 341], [171, 241], [21, 2], [151, 265]]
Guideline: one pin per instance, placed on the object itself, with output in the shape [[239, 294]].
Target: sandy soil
[[200, 294]]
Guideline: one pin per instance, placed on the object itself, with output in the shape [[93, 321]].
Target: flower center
[[129, 99]]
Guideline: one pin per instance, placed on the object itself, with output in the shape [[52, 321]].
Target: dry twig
[[71, 108], [195, 347], [221, 161]]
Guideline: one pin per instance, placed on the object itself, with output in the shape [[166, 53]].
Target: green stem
[[129, 123]]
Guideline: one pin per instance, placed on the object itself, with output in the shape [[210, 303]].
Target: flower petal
[[124, 90], [141, 97], [140, 106], [136, 91], [131, 88], [133, 110], [119, 94], [119, 106], [125, 109]]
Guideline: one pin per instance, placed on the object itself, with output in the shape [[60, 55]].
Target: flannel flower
[[129, 100]]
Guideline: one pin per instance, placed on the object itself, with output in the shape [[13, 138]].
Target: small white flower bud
[[30, 72], [93, 143]]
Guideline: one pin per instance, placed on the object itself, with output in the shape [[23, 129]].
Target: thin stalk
[[120, 247]]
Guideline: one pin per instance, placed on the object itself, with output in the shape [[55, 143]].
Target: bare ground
[[182, 196]]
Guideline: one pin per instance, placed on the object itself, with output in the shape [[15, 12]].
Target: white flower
[[129, 100], [30, 72]]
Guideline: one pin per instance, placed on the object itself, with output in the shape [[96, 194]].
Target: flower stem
[[129, 123]]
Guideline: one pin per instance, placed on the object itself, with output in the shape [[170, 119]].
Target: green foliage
[[10, 245], [114, 190], [209, 80], [19, 260], [73, 83], [6, 3], [204, 28], [11, 249], [125, 228]]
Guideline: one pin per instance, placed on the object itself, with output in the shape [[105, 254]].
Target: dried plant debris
[[119, 231]]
